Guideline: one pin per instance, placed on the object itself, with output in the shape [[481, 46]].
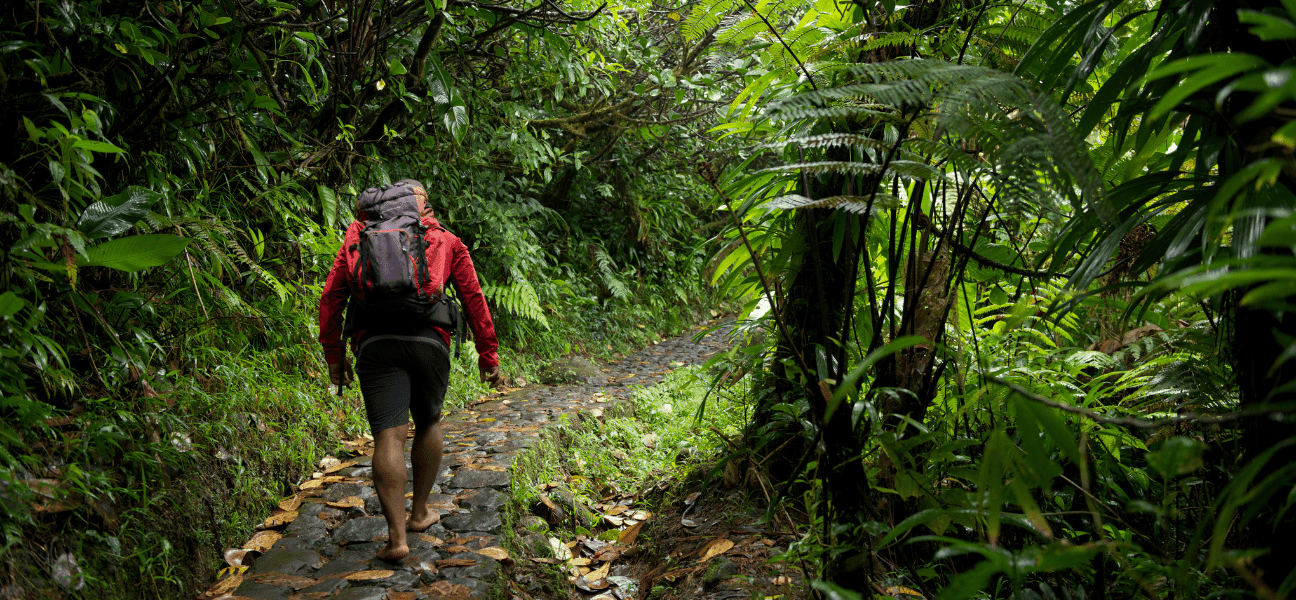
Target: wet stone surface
[[328, 549]]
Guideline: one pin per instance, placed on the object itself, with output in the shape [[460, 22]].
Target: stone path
[[322, 542]]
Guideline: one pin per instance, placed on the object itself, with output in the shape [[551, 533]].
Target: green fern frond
[[518, 299], [852, 204], [607, 269]]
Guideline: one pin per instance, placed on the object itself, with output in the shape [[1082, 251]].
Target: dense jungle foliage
[[1016, 278]]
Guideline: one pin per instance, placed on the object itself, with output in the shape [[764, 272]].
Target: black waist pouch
[[445, 314]]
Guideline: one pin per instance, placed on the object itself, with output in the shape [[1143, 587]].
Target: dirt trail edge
[[321, 542]]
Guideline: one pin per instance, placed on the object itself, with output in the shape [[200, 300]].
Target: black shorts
[[400, 376]]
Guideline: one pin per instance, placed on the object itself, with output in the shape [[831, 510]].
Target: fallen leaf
[[561, 551], [291, 503], [446, 589], [601, 573], [781, 580], [234, 556], [311, 484], [582, 562], [585, 584], [432, 539], [767, 542], [903, 591], [226, 585], [613, 520], [342, 465], [370, 575], [456, 562], [279, 519], [692, 498], [546, 561], [284, 580], [348, 502], [494, 552], [628, 536], [716, 547], [263, 541], [607, 554], [458, 549], [618, 509], [496, 468]]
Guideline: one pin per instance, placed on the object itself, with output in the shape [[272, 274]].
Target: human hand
[[491, 376], [340, 373]]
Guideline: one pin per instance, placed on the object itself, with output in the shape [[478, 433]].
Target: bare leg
[[426, 456], [389, 479]]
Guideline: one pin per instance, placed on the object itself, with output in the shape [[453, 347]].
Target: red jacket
[[447, 258]]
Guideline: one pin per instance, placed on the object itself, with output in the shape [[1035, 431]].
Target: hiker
[[399, 323]]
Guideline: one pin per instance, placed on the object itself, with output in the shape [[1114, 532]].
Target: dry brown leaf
[[348, 502], [781, 580], [447, 589], [495, 468], [402, 595], [458, 549], [291, 503], [311, 484], [614, 521], [547, 561], [226, 585], [582, 562], [432, 539], [494, 552], [716, 547], [284, 580], [370, 575], [896, 592], [600, 573], [618, 509], [442, 505], [584, 571], [263, 541], [608, 553], [279, 519], [627, 537], [342, 465], [456, 562]]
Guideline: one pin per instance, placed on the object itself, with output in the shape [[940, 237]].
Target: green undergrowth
[[650, 439], [143, 495], [149, 497]]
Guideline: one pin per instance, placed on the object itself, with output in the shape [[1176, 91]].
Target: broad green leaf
[[10, 303], [1267, 27], [847, 386], [115, 214], [95, 146], [1176, 456], [135, 252], [1210, 69]]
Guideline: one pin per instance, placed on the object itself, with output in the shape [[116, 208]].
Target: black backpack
[[390, 268]]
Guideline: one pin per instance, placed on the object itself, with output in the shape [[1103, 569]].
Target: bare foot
[[417, 524], [393, 553]]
